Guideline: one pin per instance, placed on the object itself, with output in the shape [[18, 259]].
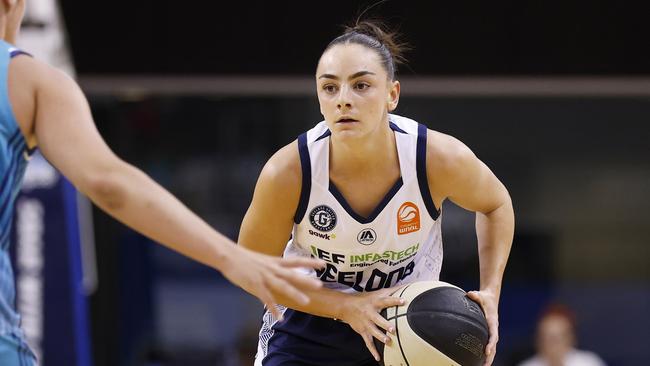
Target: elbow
[[107, 189], [501, 205], [505, 200]]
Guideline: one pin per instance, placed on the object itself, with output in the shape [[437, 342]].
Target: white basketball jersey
[[399, 242]]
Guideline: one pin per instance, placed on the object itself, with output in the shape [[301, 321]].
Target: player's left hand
[[489, 301]]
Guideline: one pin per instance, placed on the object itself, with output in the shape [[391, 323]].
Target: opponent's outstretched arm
[[67, 136]]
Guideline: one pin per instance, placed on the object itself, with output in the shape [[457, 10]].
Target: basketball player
[[363, 191], [41, 107]]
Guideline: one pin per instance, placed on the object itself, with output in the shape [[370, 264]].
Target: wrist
[[341, 306], [492, 292], [223, 257]]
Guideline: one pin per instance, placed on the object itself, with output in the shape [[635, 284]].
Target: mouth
[[346, 120]]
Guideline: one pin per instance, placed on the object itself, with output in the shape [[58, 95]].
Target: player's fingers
[[371, 346], [287, 288], [491, 347], [489, 360], [376, 333], [389, 301], [299, 280], [295, 262], [474, 295], [274, 311], [384, 324], [269, 301]]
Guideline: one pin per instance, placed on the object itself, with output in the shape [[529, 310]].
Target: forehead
[[349, 58], [555, 323]]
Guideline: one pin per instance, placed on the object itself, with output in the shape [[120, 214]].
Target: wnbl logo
[[367, 236], [408, 218]]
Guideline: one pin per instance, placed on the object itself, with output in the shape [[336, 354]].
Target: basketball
[[438, 325]]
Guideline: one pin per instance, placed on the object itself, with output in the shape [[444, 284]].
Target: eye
[[362, 85], [330, 88]]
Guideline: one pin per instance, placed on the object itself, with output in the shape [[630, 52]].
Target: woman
[[362, 190], [41, 107], [556, 341]]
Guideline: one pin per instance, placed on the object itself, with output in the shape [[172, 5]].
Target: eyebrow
[[353, 76]]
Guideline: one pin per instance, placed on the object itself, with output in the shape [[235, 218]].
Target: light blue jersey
[[14, 155]]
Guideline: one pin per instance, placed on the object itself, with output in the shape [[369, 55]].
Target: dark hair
[[559, 310], [371, 33]]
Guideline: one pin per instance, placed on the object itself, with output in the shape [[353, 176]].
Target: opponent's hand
[[490, 304], [362, 314], [268, 277]]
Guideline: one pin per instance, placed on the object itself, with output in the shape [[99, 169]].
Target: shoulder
[[587, 358], [283, 170], [42, 80], [27, 76], [30, 81], [28, 68], [450, 165], [446, 154]]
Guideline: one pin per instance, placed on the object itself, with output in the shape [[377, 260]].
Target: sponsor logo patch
[[321, 235], [408, 218], [322, 218], [367, 236]]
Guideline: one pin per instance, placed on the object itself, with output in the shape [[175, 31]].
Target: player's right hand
[[362, 313], [268, 277]]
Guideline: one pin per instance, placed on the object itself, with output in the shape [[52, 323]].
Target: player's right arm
[[62, 126], [266, 228]]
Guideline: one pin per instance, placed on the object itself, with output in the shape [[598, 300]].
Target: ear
[[393, 95]]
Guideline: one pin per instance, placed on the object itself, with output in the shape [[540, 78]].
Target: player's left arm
[[454, 172]]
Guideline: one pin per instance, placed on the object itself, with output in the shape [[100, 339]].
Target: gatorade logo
[[367, 236], [408, 218]]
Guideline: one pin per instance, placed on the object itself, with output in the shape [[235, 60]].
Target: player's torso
[[398, 242]]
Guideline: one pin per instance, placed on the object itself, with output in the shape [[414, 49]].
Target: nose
[[344, 101]]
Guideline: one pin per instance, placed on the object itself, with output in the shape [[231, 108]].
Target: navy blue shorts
[[307, 340]]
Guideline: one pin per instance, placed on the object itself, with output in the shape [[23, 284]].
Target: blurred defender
[[556, 341], [42, 107]]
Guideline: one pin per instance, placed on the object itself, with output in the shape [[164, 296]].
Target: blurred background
[[554, 97]]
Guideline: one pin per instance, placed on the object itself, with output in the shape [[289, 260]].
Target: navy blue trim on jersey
[[421, 167], [325, 134], [396, 128], [305, 190], [15, 53], [380, 207], [392, 125]]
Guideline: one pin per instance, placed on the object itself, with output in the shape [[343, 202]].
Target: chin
[[347, 134]]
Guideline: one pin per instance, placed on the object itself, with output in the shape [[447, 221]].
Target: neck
[[373, 153]]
